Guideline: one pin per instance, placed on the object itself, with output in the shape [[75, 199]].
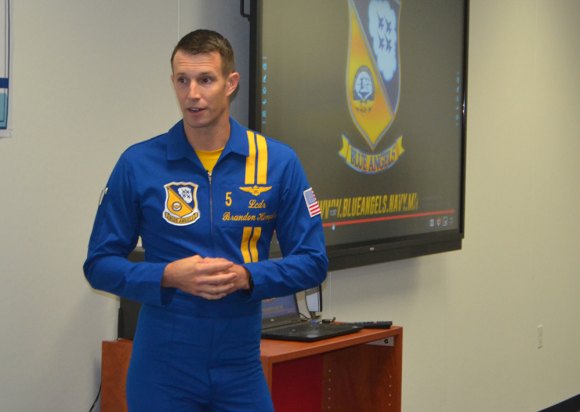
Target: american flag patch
[[311, 202]]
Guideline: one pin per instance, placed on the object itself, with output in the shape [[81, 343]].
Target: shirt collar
[[178, 147]]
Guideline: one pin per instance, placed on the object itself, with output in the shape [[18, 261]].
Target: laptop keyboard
[[307, 327]]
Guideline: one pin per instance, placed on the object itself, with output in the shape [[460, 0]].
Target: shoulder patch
[[311, 202], [103, 194]]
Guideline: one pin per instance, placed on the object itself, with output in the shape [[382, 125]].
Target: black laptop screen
[[278, 310]]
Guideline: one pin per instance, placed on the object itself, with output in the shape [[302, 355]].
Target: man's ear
[[232, 83]]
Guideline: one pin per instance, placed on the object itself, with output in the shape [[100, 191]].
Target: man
[[205, 198]]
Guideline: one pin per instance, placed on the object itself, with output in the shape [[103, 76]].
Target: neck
[[208, 138]]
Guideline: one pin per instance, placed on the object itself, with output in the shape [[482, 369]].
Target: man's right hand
[[209, 278]]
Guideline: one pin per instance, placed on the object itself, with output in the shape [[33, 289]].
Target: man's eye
[[182, 80], [206, 80]]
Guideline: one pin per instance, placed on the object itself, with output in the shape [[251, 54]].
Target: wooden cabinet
[[357, 372], [114, 366]]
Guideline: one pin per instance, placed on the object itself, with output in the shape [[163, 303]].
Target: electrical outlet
[[390, 341], [540, 342]]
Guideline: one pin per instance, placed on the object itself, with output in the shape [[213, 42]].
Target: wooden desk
[[356, 372]]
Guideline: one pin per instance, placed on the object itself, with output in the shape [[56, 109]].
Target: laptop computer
[[281, 320]]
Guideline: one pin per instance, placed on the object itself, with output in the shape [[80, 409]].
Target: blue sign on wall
[[5, 51]]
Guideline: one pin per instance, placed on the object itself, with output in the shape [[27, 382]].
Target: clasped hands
[[209, 278]]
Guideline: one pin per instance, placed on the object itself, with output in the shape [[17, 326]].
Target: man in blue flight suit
[[205, 198]]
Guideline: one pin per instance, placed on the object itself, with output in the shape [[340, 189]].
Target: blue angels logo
[[181, 207], [373, 81]]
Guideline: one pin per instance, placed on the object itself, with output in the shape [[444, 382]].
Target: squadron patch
[[181, 207]]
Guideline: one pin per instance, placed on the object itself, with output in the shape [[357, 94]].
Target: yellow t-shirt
[[209, 158]]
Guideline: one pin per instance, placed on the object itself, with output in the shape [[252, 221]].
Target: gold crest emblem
[[181, 203]]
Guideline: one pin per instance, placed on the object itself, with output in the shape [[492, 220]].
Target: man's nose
[[193, 92]]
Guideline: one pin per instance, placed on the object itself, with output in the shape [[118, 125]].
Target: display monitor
[[371, 95]]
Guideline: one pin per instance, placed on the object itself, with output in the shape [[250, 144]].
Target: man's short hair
[[207, 41]]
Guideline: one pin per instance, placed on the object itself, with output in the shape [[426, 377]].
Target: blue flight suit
[[187, 350]]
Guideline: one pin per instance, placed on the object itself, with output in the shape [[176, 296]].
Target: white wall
[[92, 77]]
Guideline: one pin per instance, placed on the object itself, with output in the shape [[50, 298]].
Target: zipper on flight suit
[[210, 203], [211, 211], [211, 227]]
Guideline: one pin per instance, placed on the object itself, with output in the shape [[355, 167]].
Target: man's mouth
[[195, 109]]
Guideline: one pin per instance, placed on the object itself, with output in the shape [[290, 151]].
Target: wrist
[[248, 283], [167, 278]]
